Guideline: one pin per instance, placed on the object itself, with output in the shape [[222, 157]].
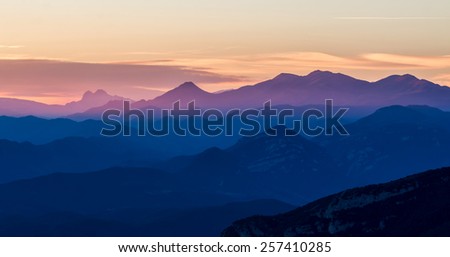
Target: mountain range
[[120, 202], [313, 89], [293, 169], [18, 108], [284, 89], [417, 205], [60, 177], [390, 143]]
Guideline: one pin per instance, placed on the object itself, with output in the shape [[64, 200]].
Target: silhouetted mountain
[[391, 143], [40, 131], [284, 89], [120, 202], [96, 112], [25, 160], [312, 89], [289, 89], [417, 205], [17, 107], [291, 169], [204, 221], [210, 221], [90, 100], [184, 93], [111, 189]]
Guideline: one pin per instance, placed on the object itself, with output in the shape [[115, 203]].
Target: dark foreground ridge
[[417, 205]]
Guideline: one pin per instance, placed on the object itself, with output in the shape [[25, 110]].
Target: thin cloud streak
[[145, 79], [250, 65], [390, 18], [38, 78], [11, 46]]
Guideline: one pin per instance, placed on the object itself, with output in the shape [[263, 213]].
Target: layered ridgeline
[[313, 89], [284, 89], [50, 183], [417, 205], [17, 107], [120, 202], [391, 143], [146, 201]]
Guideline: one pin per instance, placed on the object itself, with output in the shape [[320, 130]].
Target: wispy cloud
[[391, 18], [266, 65], [420, 62], [146, 79], [11, 46], [73, 78], [443, 79]]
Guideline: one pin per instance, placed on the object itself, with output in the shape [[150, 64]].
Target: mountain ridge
[[412, 206], [283, 89]]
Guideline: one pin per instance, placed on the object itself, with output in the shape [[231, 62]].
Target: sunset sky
[[53, 51]]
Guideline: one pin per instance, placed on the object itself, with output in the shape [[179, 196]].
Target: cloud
[[139, 79], [266, 65], [391, 18], [443, 79], [11, 46], [420, 62], [38, 78]]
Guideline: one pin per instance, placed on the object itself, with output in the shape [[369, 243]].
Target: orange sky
[[139, 48]]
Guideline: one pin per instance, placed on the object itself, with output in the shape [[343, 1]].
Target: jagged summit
[[98, 93], [286, 76], [186, 88]]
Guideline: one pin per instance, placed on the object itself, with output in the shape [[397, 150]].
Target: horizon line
[[34, 98]]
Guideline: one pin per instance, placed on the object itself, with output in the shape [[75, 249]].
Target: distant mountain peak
[[98, 93], [189, 86], [286, 76], [317, 74], [403, 79], [320, 72], [331, 77], [186, 88], [90, 100], [187, 91]]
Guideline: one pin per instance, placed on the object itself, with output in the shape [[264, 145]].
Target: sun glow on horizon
[[217, 44]]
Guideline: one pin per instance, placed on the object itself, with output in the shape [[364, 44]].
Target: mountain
[[391, 143], [184, 93], [290, 168], [317, 86], [41, 131], [102, 191], [120, 202], [210, 221], [413, 206], [294, 90], [63, 145], [17, 108], [284, 89], [200, 221], [310, 90], [388, 144], [72, 154], [91, 100], [95, 113]]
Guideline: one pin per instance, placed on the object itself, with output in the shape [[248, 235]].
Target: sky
[[53, 51]]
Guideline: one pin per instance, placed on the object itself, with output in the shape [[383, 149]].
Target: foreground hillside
[[417, 205]]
